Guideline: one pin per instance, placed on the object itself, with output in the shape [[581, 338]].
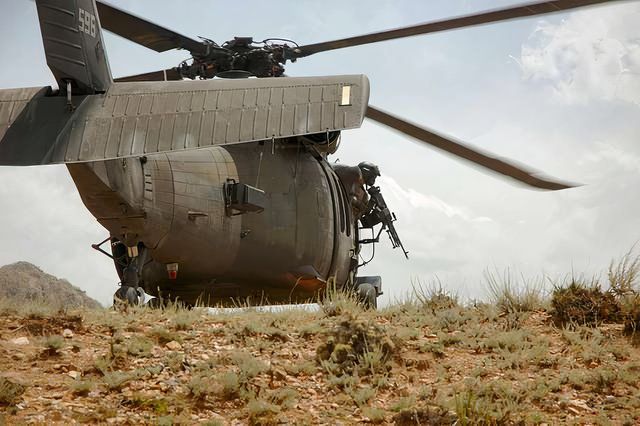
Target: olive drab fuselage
[[175, 211], [212, 190]]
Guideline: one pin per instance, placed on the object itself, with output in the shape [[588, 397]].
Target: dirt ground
[[408, 364]]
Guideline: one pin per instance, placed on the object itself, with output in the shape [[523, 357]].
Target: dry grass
[[624, 281], [429, 360], [583, 302], [511, 295], [580, 303]]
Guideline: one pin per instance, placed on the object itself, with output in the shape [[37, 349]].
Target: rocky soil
[[429, 363]]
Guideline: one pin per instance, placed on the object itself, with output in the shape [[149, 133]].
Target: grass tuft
[[53, 344], [584, 304], [336, 301], [356, 345], [624, 278], [9, 391], [511, 296], [433, 296]]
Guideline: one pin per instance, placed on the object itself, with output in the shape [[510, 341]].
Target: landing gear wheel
[[128, 296], [368, 296], [140, 293]]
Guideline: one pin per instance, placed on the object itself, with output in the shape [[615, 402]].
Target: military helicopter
[[219, 189]]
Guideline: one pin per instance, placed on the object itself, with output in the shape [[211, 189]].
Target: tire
[[126, 295], [368, 296], [141, 297]]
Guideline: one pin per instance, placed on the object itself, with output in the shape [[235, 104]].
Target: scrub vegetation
[[528, 356]]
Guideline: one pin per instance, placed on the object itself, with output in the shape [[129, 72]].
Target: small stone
[[279, 374], [212, 416], [609, 399], [73, 374], [172, 382], [20, 341], [573, 411], [67, 334], [174, 346], [578, 404]]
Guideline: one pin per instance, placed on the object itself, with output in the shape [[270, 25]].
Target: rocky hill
[[23, 282]]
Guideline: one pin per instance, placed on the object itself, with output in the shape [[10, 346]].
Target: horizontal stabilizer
[[138, 118], [13, 102]]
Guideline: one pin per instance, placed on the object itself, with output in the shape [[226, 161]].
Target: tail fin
[[74, 46]]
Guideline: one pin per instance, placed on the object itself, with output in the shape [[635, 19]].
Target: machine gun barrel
[[386, 217]]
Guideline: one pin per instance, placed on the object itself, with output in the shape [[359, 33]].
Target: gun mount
[[379, 213]]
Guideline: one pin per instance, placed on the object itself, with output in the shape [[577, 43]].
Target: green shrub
[[357, 344], [139, 347], [9, 391], [82, 387], [53, 344], [424, 416], [116, 380], [262, 412]]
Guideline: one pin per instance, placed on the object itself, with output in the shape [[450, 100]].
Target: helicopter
[[219, 189]]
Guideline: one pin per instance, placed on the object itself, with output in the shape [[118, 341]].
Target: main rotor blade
[[496, 15], [464, 151], [144, 32], [162, 75]]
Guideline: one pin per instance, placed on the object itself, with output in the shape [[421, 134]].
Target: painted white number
[[81, 19], [87, 22]]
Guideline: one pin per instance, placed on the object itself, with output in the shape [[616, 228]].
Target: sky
[[559, 93]]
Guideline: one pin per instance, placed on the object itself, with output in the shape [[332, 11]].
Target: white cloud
[[627, 161], [418, 200], [593, 54]]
